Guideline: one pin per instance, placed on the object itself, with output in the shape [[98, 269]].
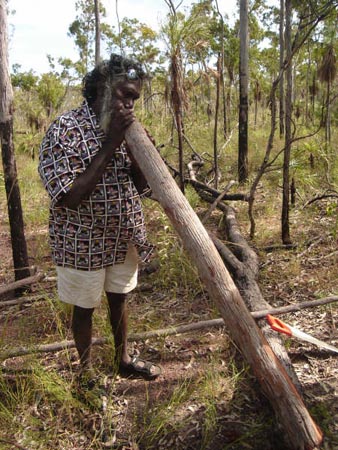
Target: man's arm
[[85, 183]]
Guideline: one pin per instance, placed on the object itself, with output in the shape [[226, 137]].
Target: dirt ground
[[241, 416]]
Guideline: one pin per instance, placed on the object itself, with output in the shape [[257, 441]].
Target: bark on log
[[301, 430]]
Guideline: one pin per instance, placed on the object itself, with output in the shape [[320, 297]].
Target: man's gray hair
[[111, 71]]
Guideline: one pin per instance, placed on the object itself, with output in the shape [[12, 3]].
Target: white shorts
[[84, 288]]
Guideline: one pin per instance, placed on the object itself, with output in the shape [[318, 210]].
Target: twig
[[319, 258], [5, 441], [67, 344], [218, 199]]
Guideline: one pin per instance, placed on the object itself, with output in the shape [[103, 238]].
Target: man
[[96, 223]]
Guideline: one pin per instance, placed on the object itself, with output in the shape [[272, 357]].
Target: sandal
[[140, 367]]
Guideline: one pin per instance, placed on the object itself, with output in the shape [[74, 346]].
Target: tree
[[176, 30], [243, 170], [327, 72], [281, 61], [97, 31], [83, 30], [19, 247], [51, 92], [288, 121]]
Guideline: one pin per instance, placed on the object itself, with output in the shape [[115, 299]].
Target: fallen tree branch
[[22, 300], [204, 187], [321, 197], [20, 283], [13, 444], [218, 199], [174, 330]]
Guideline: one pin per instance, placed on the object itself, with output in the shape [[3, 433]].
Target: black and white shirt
[[96, 234]]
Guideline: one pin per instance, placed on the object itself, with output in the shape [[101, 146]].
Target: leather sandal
[[141, 368]]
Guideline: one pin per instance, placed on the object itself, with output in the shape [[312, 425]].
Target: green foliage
[[26, 81], [50, 92], [137, 40]]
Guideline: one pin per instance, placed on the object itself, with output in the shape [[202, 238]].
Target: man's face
[[115, 99]]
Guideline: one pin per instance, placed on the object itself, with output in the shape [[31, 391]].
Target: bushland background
[[254, 102]]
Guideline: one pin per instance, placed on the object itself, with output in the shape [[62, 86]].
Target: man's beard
[[105, 115]]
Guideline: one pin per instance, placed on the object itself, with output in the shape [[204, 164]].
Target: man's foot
[[140, 368], [87, 378], [91, 389]]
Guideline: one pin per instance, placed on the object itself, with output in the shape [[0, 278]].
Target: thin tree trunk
[[19, 246], [222, 80], [286, 239], [97, 32], [218, 82], [243, 94], [176, 98], [281, 62], [277, 386]]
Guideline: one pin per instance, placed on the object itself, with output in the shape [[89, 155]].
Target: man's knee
[[82, 315], [115, 299]]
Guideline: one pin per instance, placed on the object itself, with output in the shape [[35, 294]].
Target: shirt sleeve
[[60, 159]]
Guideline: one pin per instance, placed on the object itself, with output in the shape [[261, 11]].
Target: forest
[[242, 210]]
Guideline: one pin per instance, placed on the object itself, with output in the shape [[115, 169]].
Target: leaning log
[[301, 431]]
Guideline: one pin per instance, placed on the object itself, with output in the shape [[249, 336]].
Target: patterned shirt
[[96, 234]]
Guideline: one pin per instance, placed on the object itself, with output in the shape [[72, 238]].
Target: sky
[[40, 27]]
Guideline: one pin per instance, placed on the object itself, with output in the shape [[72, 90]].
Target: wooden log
[[22, 300], [21, 283], [173, 330], [292, 414]]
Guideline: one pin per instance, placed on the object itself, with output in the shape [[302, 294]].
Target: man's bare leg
[[119, 323], [82, 332], [118, 316]]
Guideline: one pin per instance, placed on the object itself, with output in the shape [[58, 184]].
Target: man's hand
[[120, 120]]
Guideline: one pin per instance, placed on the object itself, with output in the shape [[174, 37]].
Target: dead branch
[[218, 199], [276, 247], [193, 166], [321, 197], [22, 300], [20, 283], [204, 187], [173, 330], [13, 444]]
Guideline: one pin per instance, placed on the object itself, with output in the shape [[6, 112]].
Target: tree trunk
[[177, 102], [281, 62], [286, 239], [303, 433], [218, 82], [19, 247], [243, 94], [97, 32]]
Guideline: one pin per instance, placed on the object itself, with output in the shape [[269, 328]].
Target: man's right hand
[[121, 119]]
